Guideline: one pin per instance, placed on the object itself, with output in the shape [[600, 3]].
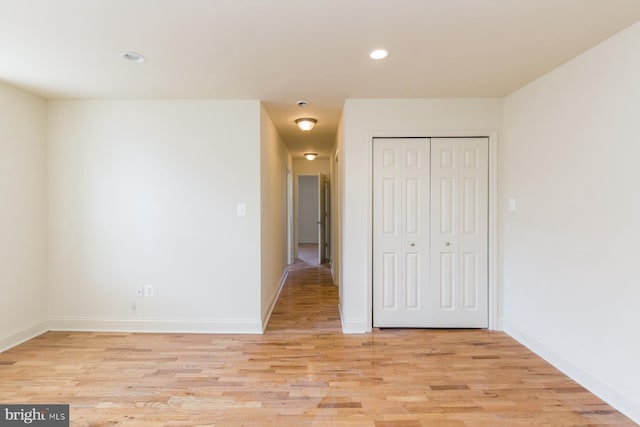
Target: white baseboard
[[350, 326], [218, 326], [274, 299], [621, 401], [21, 335]]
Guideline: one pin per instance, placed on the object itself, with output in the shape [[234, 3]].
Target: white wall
[[145, 192], [362, 120], [23, 289], [572, 249], [304, 166], [275, 161], [337, 201], [307, 209]]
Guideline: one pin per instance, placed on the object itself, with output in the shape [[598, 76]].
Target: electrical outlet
[[139, 291], [148, 290]]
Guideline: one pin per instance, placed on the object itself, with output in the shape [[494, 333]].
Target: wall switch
[[148, 290], [241, 209], [513, 206], [139, 291]]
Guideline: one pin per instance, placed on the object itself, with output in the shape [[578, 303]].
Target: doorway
[[312, 218]]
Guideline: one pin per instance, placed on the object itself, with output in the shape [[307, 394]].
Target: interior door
[[458, 285], [401, 232], [322, 218]]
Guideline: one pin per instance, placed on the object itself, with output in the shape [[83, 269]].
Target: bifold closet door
[[430, 232], [458, 285], [401, 232]]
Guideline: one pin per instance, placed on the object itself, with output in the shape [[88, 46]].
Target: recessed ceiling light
[[378, 54], [134, 57]]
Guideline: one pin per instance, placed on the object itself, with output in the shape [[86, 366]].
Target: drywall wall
[[275, 161], [307, 212], [571, 273], [147, 192], [337, 190], [306, 167], [364, 119], [23, 312]]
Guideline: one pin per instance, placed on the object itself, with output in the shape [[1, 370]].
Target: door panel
[[401, 218], [459, 232]]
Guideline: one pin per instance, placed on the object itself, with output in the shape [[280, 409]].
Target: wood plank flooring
[[301, 372]]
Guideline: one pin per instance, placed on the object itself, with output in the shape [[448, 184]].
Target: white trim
[[494, 293], [94, 324], [274, 299], [18, 336], [621, 401], [353, 326]]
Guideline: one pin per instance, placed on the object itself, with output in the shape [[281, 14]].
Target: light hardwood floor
[[301, 372]]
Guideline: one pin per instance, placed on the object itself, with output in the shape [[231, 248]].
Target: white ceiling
[[279, 51]]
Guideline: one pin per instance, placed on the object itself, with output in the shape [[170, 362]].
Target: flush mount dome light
[[134, 57], [310, 156], [306, 123], [378, 54]]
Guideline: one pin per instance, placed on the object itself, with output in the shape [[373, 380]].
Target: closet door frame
[[495, 297]]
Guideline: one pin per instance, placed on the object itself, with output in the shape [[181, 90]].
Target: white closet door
[[458, 285], [401, 232]]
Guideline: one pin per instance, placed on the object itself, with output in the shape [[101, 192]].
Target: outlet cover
[[148, 290]]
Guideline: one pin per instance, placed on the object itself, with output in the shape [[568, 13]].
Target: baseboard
[[218, 326], [21, 335], [350, 326], [274, 299], [621, 401], [308, 242]]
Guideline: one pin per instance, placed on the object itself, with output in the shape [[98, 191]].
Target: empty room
[[339, 213]]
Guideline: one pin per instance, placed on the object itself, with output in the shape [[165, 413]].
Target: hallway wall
[[275, 161], [23, 288]]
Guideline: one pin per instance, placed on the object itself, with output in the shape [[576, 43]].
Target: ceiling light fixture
[[134, 57], [378, 54], [310, 156], [306, 123]]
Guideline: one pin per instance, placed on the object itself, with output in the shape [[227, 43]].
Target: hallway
[[309, 301], [302, 372]]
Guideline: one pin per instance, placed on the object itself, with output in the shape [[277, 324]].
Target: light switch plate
[[241, 209]]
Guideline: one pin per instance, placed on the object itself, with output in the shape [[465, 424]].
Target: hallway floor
[[302, 372]]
